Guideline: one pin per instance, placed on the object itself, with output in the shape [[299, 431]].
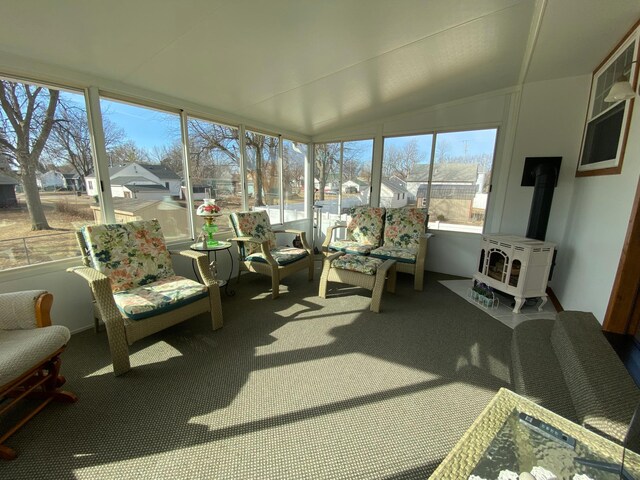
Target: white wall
[[589, 215], [597, 222]]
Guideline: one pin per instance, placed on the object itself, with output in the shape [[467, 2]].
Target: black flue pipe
[[545, 181]]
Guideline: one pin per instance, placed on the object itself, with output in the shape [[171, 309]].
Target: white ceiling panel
[[313, 66]]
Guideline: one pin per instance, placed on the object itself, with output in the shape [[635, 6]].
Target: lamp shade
[[208, 208], [621, 90]]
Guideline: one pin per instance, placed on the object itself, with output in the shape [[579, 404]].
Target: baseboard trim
[[554, 300]]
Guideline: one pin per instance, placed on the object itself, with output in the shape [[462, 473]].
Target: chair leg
[[215, 307], [275, 285], [311, 268], [391, 279], [119, 347], [418, 280], [7, 453], [324, 278]]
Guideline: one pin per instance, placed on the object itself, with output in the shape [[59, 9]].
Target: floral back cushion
[[366, 224], [404, 226], [254, 224], [130, 254]]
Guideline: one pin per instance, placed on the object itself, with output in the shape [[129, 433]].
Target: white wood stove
[[516, 265]]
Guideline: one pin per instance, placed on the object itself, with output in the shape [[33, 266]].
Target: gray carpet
[[294, 388]]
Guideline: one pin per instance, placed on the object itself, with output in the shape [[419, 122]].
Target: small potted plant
[[482, 294]]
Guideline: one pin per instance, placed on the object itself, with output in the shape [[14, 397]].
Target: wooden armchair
[[30, 349], [134, 287], [364, 232], [258, 251], [405, 241]]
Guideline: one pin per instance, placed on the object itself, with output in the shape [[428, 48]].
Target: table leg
[[228, 292]]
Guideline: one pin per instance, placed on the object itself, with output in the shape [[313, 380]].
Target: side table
[[220, 246]]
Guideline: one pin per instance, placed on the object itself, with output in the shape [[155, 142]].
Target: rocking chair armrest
[[202, 260], [100, 286], [32, 307]]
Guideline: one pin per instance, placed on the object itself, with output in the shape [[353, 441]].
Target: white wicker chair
[[258, 251], [135, 290]]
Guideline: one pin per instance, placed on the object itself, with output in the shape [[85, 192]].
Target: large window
[[146, 166], [451, 180], [45, 153], [294, 159], [214, 153], [263, 174]]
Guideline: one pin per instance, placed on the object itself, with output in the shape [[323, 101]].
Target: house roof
[[161, 171], [132, 180], [147, 188], [7, 180], [445, 173], [327, 74], [394, 186]]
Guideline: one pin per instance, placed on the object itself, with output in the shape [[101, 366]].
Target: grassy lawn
[[20, 246]]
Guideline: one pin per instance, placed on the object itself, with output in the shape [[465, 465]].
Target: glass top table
[[498, 440]]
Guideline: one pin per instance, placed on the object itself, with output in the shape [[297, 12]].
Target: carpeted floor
[[296, 388]]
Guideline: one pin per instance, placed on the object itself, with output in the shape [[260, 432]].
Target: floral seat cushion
[[256, 225], [349, 246], [159, 297], [282, 255], [403, 255], [366, 224], [404, 227], [130, 254], [357, 263]]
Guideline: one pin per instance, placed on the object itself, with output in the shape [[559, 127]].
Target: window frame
[[611, 166]]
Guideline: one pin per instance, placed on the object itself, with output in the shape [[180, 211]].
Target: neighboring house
[[51, 180], [129, 209], [7, 191], [127, 180], [355, 186], [453, 188], [73, 181], [393, 193]]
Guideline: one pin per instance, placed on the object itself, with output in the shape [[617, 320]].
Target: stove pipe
[[546, 176]]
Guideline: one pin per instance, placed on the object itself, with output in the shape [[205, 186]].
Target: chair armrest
[[247, 239], [329, 237], [301, 233], [202, 260], [25, 310], [101, 288]]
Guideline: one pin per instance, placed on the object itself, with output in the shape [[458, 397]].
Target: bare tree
[[71, 139], [126, 153], [327, 160], [400, 162], [28, 113]]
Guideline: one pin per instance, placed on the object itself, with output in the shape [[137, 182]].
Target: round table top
[[210, 248]]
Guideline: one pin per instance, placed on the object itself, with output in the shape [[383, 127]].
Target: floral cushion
[[130, 254], [365, 226], [404, 255], [253, 224], [159, 297], [404, 226], [282, 255], [357, 263], [348, 246]]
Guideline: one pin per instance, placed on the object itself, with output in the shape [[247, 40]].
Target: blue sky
[[476, 142], [146, 127]]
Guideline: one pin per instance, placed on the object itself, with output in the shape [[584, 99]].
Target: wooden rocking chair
[[30, 349]]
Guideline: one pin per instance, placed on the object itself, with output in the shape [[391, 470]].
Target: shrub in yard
[[74, 210]]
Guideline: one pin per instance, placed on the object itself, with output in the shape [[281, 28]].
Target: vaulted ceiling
[[315, 66]]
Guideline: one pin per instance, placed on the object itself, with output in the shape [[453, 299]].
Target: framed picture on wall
[[606, 129]]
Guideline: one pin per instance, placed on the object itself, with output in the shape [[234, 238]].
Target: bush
[[74, 210]]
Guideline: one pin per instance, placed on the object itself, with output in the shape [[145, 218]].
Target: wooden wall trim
[[618, 317]]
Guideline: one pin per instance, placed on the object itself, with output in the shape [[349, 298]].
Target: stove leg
[[519, 303], [544, 299]]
